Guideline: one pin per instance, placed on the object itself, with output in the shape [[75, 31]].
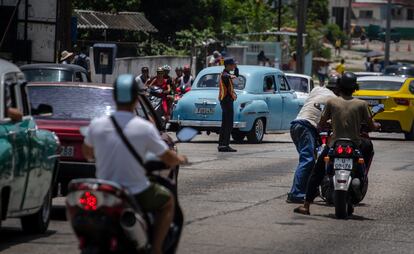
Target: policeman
[[226, 97]]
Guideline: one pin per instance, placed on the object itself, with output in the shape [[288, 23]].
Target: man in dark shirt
[[226, 97], [346, 114]]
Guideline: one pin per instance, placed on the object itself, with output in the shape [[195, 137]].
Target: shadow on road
[[239, 143], [14, 236], [353, 217], [58, 213]]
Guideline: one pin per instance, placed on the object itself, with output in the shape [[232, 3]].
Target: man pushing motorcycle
[[346, 114], [116, 162]]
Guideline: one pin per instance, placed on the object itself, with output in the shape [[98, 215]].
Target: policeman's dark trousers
[[318, 171], [226, 122]]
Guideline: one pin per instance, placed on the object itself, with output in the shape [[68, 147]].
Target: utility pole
[[301, 29], [348, 23], [388, 35]]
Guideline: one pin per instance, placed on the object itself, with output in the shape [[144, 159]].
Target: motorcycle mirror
[[378, 109], [186, 134], [83, 130]]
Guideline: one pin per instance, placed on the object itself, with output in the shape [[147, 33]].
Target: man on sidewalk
[[304, 134]]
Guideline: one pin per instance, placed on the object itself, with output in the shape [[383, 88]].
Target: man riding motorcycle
[[115, 162], [347, 114], [185, 81]]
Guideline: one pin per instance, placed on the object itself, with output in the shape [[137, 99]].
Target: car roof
[[298, 75], [72, 84], [383, 78], [246, 69], [52, 66], [6, 66]]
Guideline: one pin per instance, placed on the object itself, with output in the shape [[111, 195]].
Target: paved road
[[235, 203]]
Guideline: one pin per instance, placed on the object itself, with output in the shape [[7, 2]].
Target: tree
[[107, 5]]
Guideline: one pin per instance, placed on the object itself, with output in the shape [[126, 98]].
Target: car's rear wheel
[[256, 134], [238, 136], [410, 135], [39, 222]]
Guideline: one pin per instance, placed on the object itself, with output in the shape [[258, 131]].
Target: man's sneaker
[[226, 149], [294, 200]]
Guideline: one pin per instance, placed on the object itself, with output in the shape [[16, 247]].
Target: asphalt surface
[[235, 203]]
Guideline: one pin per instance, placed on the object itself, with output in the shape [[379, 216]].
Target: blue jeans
[[304, 137]]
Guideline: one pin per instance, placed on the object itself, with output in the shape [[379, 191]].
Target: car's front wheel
[[410, 135], [256, 134], [39, 222]]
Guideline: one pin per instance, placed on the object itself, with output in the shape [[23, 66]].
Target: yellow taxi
[[397, 95]]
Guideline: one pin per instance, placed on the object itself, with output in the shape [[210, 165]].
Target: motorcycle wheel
[[327, 191], [341, 204]]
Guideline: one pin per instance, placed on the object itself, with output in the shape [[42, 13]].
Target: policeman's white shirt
[[309, 112], [114, 162]]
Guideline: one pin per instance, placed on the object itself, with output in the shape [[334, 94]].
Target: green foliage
[[333, 32]]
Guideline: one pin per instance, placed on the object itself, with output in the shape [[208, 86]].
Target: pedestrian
[[261, 58], [323, 72], [292, 62], [338, 44], [304, 133], [340, 68], [227, 96], [82, 60], [214, 59], [368, 64], [66, 57], [143, 78]]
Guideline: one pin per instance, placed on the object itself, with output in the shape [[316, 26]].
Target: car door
[[273, 101], [290, 107], [18, 139]]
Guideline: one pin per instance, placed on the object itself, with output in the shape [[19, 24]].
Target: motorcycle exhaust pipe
[[135, 228]]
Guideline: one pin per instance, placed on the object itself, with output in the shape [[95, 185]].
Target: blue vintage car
[[266, 103]]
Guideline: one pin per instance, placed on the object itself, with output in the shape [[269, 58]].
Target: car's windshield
[[395, 70], [47, 75], [380, 85], [212, 81], [83, 103], [298, 84]]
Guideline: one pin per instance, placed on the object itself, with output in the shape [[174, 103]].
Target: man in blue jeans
[[304, 133]]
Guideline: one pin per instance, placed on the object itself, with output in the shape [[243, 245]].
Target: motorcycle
[[155, 96], [107, 219], [346, 180]]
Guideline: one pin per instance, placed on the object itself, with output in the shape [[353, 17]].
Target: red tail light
[[339, 149], [348, 150], [402, 101], [88, 201]]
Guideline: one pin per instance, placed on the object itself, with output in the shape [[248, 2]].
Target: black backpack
[[82, 61]]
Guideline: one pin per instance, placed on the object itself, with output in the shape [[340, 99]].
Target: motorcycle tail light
[[88, 201], [339, 149], [349, 150]]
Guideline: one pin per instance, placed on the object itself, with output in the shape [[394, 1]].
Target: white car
[[302, 84]]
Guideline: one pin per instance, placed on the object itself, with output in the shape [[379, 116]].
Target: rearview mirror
[[186, 134], [377, 109]]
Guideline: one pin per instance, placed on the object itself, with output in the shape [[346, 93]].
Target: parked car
[[302, 84], [397, 94], [74, 106], [375, 32], [258, 110], [399, 70], [28, 159], [55, 73]]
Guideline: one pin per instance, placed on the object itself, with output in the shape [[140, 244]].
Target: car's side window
[[284, 85], [269, 84]]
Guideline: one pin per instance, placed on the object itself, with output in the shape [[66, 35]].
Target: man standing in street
[[227, 96], [304, 134]]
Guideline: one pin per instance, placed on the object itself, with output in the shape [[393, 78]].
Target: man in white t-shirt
[[114, 162], [304, 133]]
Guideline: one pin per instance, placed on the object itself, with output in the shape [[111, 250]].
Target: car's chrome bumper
[[194, 123]]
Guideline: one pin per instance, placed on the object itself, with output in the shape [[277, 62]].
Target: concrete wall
[[133, 65]]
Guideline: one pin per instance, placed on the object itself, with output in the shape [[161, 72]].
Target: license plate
[[204, 111], [67, 151], [341, 163], [373, 102]]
